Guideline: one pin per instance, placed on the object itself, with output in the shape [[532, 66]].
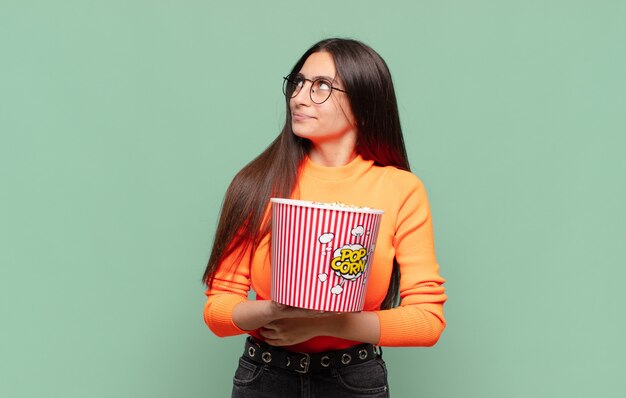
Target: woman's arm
[[357, 326], [419, 320], [253, 314]]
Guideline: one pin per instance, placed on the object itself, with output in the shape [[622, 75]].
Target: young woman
[[341, 141]]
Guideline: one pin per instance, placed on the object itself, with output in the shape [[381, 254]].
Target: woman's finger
[[267, 333], [270, 325]]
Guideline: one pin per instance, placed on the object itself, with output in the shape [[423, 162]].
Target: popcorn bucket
[[321, 254]]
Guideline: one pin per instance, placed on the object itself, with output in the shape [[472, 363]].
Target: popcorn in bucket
[[321, 254]]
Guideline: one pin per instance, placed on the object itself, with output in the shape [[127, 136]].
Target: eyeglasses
[[321, 88]]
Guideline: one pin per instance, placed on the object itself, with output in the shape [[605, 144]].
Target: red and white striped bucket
[[321, 254]]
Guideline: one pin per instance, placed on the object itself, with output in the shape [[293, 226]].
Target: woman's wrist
[[253, 314], [272, 310], [359, 326]]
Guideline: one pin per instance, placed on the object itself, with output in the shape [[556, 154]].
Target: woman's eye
[[323, 85]]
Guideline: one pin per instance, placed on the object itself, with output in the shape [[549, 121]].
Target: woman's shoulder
[[401, 178]]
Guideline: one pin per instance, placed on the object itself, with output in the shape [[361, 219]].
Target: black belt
[[265, 354]]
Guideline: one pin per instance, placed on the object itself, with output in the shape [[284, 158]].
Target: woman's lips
[[299, 117]]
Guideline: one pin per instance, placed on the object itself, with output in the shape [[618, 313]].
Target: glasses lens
[[320, 90], [291, 86]]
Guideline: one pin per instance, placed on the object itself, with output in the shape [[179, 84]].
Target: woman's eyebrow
[[318, 77]]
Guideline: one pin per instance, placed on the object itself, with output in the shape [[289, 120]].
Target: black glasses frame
[[290, 79]]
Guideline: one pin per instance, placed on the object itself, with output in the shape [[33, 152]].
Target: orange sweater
[[405, 233]]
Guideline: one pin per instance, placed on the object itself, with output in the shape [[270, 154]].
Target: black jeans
[[367, 379]]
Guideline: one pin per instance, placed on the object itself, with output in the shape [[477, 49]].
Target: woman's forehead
[[320, 64]]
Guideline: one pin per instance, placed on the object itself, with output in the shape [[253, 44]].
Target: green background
[[122, 122]]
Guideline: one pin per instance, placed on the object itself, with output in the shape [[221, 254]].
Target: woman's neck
[[332, 155]]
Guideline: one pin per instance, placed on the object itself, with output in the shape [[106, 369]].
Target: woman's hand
[[358, 326], [253, 314], [290, 331], [284, 325], [293, 325], [282, 311]]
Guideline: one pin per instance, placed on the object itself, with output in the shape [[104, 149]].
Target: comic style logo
[[348, 261]]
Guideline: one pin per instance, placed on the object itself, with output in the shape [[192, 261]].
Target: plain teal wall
[[122, 122]]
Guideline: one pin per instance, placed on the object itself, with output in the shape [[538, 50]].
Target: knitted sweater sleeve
[[419, 319], [231, 285]]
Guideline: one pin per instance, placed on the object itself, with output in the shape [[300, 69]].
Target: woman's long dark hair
[[274, 172]]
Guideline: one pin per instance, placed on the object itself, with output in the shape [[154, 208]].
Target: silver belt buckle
[[304, 363]]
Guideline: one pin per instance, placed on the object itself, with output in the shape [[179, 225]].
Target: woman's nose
[[303, 97]]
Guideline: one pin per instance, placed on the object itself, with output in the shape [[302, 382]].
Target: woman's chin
[[301, 133]]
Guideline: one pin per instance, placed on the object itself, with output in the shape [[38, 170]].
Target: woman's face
[[326, 123]]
